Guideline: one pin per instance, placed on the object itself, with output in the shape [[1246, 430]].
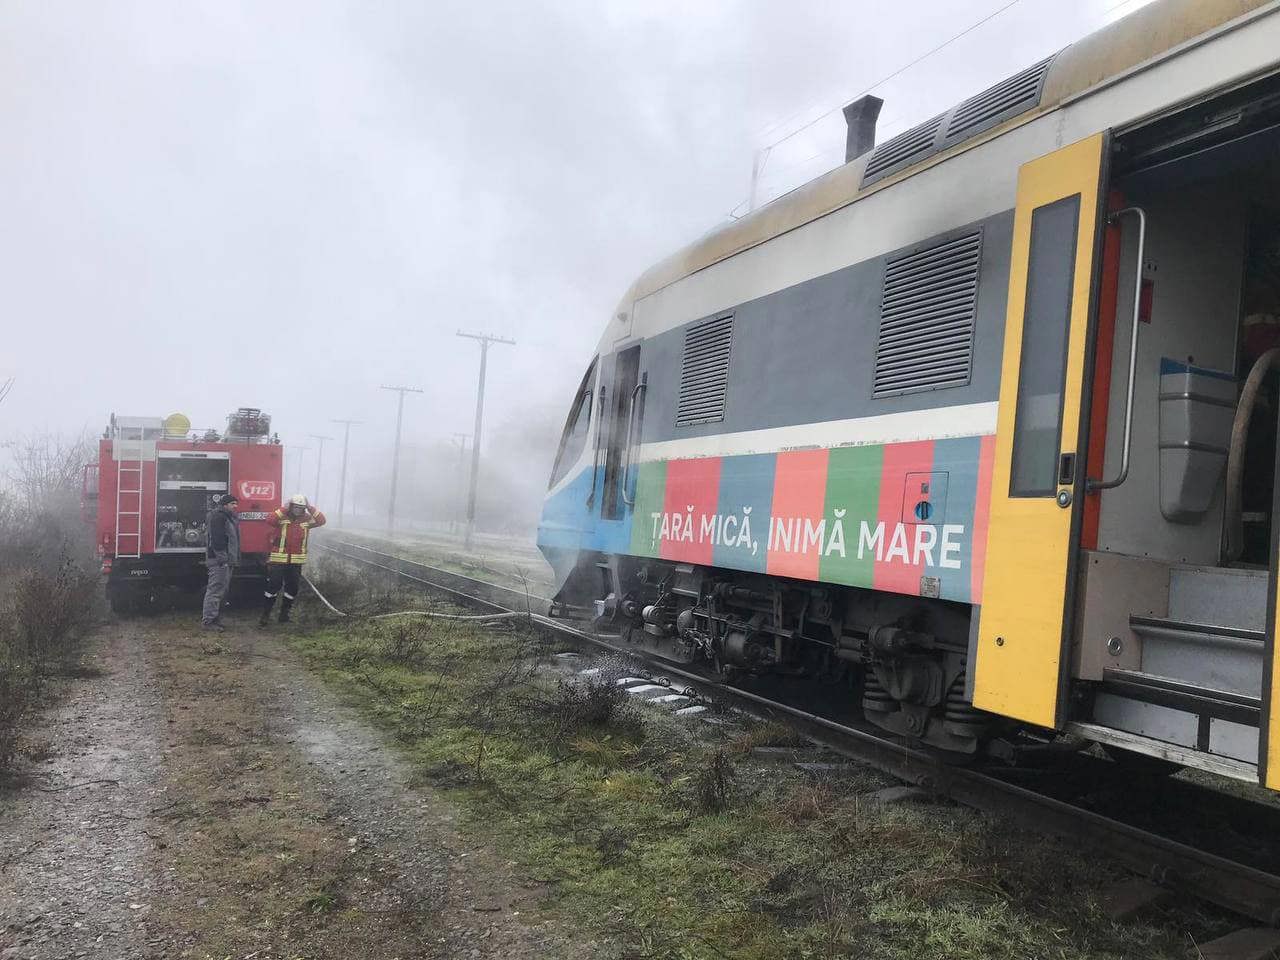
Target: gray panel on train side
[[806, 354]]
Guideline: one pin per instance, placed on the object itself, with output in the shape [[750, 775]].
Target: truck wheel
[[121, 599]]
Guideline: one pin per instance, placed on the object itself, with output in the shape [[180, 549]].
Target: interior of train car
[[1174, 575]]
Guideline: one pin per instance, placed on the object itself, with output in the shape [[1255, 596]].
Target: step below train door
[[1038, 483]]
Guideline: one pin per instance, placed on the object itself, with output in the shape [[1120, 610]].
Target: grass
[[680, 848]]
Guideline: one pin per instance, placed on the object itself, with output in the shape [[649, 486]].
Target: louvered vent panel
[[1008, 98], [926, 318], [914, 144], [704, 372]]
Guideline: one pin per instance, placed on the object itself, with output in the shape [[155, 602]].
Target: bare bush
[[351, 587], [46, 597], [404, 644], [586, 701], [47, 468], [713, 784]]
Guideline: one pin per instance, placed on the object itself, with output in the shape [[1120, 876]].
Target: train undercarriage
[[902, 658]]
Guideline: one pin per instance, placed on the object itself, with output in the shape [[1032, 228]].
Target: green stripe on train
[[651, 494], [853, 486]]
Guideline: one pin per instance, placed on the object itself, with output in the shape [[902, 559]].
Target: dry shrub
[[806, 803], [351, 587], [586, 702], [713, 784], [46, 598], [404, 644]]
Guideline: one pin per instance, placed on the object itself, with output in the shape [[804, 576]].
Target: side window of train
[[927, 314], [576, 428], [1046, 328]]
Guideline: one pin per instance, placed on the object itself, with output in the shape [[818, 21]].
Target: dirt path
[[204, 797]]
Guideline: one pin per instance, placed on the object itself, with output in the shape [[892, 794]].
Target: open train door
[[1038, 483]]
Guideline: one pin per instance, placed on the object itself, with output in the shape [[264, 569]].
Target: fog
[[287, 205]]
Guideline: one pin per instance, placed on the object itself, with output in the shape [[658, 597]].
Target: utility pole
[[315, 495], [395, 456], [301, 449], [342, 482], [460, 440], [485, 340]]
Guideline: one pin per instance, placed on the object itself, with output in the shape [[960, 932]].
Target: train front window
[[576, 429]]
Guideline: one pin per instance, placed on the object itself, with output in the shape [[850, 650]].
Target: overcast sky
[[207, 205]]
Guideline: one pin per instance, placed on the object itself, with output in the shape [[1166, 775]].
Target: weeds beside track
[[1207, 877]]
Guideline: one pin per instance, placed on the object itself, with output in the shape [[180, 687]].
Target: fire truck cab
[[152, 487]]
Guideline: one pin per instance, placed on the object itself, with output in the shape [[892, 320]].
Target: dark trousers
[[282, 578]]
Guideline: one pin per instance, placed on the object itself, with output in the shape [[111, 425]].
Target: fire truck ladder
[[129, 484]]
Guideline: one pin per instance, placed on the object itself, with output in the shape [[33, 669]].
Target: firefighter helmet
[[298, 500]]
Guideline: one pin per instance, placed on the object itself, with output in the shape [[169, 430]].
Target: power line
[[1123, 3], [766, 185], [896, 73]]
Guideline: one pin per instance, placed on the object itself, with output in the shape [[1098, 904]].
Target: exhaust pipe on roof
[[861, 116]]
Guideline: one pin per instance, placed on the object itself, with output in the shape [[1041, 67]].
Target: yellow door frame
[[1033, 538], [1269, 724]]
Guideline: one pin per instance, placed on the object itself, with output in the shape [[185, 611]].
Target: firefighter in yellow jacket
[[294, 521]]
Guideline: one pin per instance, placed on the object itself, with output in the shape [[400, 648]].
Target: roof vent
[[704, 372], [926, 318], [996, 104], [904, 149], [861, 116]]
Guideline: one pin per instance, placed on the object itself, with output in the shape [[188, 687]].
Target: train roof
[[1157, 30]]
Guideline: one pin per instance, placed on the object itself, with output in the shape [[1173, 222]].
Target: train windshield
[[574, 439]]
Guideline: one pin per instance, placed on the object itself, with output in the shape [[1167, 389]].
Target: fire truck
[[151, 489]]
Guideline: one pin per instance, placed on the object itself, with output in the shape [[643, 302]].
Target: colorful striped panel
[[905, 518]]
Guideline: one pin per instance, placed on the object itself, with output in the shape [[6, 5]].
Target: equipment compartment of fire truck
[[152, 488]]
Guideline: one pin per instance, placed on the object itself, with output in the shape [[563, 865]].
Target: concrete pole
[[301, 450], [475, 447], [342, 482], [461, 440], [315, 495], [485, 340], [395, 456]]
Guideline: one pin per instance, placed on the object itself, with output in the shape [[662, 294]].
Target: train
[[152, 486], [981, 424]]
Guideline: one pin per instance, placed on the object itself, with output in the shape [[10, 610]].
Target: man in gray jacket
[[222, 553]]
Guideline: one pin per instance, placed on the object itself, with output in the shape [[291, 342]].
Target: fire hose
[[510, 615]]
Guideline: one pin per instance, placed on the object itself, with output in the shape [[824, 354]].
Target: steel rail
[[1178, 866]]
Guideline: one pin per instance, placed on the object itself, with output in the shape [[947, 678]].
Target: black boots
[[285, 603]]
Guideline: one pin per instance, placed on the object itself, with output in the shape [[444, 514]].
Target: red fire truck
[[154, 484]]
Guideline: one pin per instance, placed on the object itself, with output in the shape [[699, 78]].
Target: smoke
[[515, 464]]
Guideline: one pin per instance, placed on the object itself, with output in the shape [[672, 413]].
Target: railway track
[[1174, 865]]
